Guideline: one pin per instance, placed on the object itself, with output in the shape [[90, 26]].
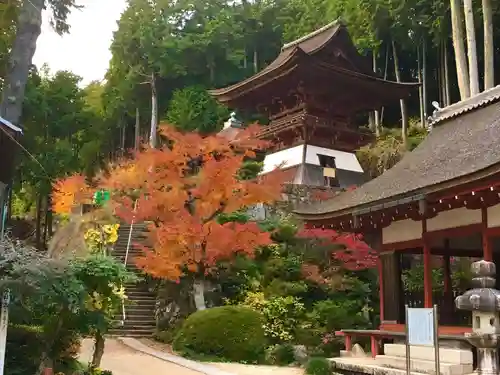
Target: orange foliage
[[182, 189], [67, 192]]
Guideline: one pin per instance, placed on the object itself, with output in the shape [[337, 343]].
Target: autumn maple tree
[[346, 251], [67, 191], [182, 189]]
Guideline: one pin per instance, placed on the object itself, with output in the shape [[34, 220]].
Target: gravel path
[[122, 360]]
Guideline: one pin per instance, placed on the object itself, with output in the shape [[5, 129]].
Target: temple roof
[[462, 147], [306, 50]]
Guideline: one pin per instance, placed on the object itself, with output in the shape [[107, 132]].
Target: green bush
[[232, 333], [281, 355], [318, 366], [24, 349]]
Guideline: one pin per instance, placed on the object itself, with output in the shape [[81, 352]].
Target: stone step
[[448, 355], [143, 316], [148, 324], [132, 332], [364, 366], [423, 366], [140, 303], [138, 298]]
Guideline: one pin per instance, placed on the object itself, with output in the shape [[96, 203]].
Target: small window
[[326, 161]]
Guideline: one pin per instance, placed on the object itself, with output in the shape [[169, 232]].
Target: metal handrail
[[126, 258]]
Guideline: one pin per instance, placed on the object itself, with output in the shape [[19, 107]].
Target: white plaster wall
[[293, 156], [458, 217], [343, 160], [403, 230], [289, 158], [494, 216]]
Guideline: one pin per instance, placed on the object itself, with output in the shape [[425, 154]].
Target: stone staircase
[[140, 305]]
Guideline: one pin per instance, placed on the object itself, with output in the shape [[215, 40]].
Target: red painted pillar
[[381, 288], [447, 274], [487, 250], [427, 267]]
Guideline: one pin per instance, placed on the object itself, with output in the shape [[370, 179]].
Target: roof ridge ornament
[[295, 42], [233, 122]]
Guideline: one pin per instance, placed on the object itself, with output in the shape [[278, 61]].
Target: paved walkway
[[128, 356], [122, 360]]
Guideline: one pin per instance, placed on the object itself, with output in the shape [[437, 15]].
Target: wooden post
[[447, 274], [427, 268], [487, 250], [381, 288]]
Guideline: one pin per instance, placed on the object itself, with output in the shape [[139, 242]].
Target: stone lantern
[[484, 302]]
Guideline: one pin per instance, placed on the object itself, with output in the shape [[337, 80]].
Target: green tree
[[193, 109]]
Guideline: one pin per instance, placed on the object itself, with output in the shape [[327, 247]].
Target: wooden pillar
[[381, 288], [427, 267], [447, 274], [487, 250], [391, 286], [447, 316]]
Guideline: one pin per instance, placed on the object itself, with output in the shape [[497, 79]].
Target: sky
[[85, 51]]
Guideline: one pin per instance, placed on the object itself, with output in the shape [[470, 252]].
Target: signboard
[[4, 322], [421, 326], [422, 330]]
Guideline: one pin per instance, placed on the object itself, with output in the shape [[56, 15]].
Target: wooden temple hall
[[440, 203], [311, 94]]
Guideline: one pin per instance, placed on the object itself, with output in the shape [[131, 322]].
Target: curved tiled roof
[[464, 146], [305, 47]]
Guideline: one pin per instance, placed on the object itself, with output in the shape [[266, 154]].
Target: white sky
[[85, 51]]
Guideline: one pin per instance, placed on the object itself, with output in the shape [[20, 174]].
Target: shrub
[[281, 355], [90, 370], [232, 333], [281, 314], [318, 366], [24, 349]]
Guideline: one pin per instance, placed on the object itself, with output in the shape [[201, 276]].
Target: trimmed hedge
[[231, 333]]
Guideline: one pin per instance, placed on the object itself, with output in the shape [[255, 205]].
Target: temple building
[[441, 201], [311, 93]]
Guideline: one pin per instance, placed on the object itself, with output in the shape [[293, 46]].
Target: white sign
[[420, 326], [4, 322]]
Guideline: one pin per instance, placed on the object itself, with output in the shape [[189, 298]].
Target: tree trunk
[[459, 48], [154, 113], [376, 114], [446, 76], [420, 89], [99, 342], [402, 102], [45, 223], [489, 68], [471, 48], [122, 138], [137, 130], [38, 228], [255, 61], [386, 71], [199, 294], [50, 216], [424, 79], [21, 56]]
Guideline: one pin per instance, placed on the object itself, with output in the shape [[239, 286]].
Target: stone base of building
[[453, 361]]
